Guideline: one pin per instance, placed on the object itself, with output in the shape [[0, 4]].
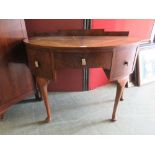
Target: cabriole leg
[[42, 84], [120, 88]]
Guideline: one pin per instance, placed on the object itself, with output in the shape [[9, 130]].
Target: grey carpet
[[85, 113]]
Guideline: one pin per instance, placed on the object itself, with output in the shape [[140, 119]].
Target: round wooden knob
[[125, 63]]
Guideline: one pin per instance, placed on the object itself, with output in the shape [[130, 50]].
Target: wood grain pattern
[[80, 41], [123, 61], [15, 77]]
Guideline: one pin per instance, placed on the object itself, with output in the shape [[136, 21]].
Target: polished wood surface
[[81, 41], [117, 55], [15, 76]]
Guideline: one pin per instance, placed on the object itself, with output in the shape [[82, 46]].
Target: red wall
[[140, 28], [97, 78], [137, 27]]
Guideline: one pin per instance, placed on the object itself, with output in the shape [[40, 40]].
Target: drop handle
[[126, 63], [36, 64], [84, 62]]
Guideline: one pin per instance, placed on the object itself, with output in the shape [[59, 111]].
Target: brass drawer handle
[[36, 64], [83, 61]]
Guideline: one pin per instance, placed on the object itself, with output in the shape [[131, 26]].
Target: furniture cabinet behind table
[[15, 77]]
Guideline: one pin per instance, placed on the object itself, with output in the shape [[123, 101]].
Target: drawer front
[[123, 61], [79, 60], [68, 60], [40, 62]]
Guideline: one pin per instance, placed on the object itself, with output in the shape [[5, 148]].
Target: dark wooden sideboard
[[117, 56], [15, 77]]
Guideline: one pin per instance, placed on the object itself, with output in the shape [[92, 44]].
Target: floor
[[85, 113]]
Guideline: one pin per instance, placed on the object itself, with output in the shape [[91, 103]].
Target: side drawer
[[40, 62], [123, 61]]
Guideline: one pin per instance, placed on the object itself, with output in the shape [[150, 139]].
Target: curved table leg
[[2, 116], [37, 93], [42, 84], [119, 93]]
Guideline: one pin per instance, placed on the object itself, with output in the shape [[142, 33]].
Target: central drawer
[[68, 60], [86, 59]]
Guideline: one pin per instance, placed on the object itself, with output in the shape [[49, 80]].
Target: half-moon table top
[[81, 41]]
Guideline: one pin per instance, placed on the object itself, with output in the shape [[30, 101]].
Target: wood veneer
[[113, 53], [15, 77]]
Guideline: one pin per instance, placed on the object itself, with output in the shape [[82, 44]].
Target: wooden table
[[117, 56]]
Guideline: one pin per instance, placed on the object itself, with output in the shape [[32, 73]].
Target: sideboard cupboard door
[[15, 77]]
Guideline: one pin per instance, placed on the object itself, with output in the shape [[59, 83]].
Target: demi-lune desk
[[116, 55]]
